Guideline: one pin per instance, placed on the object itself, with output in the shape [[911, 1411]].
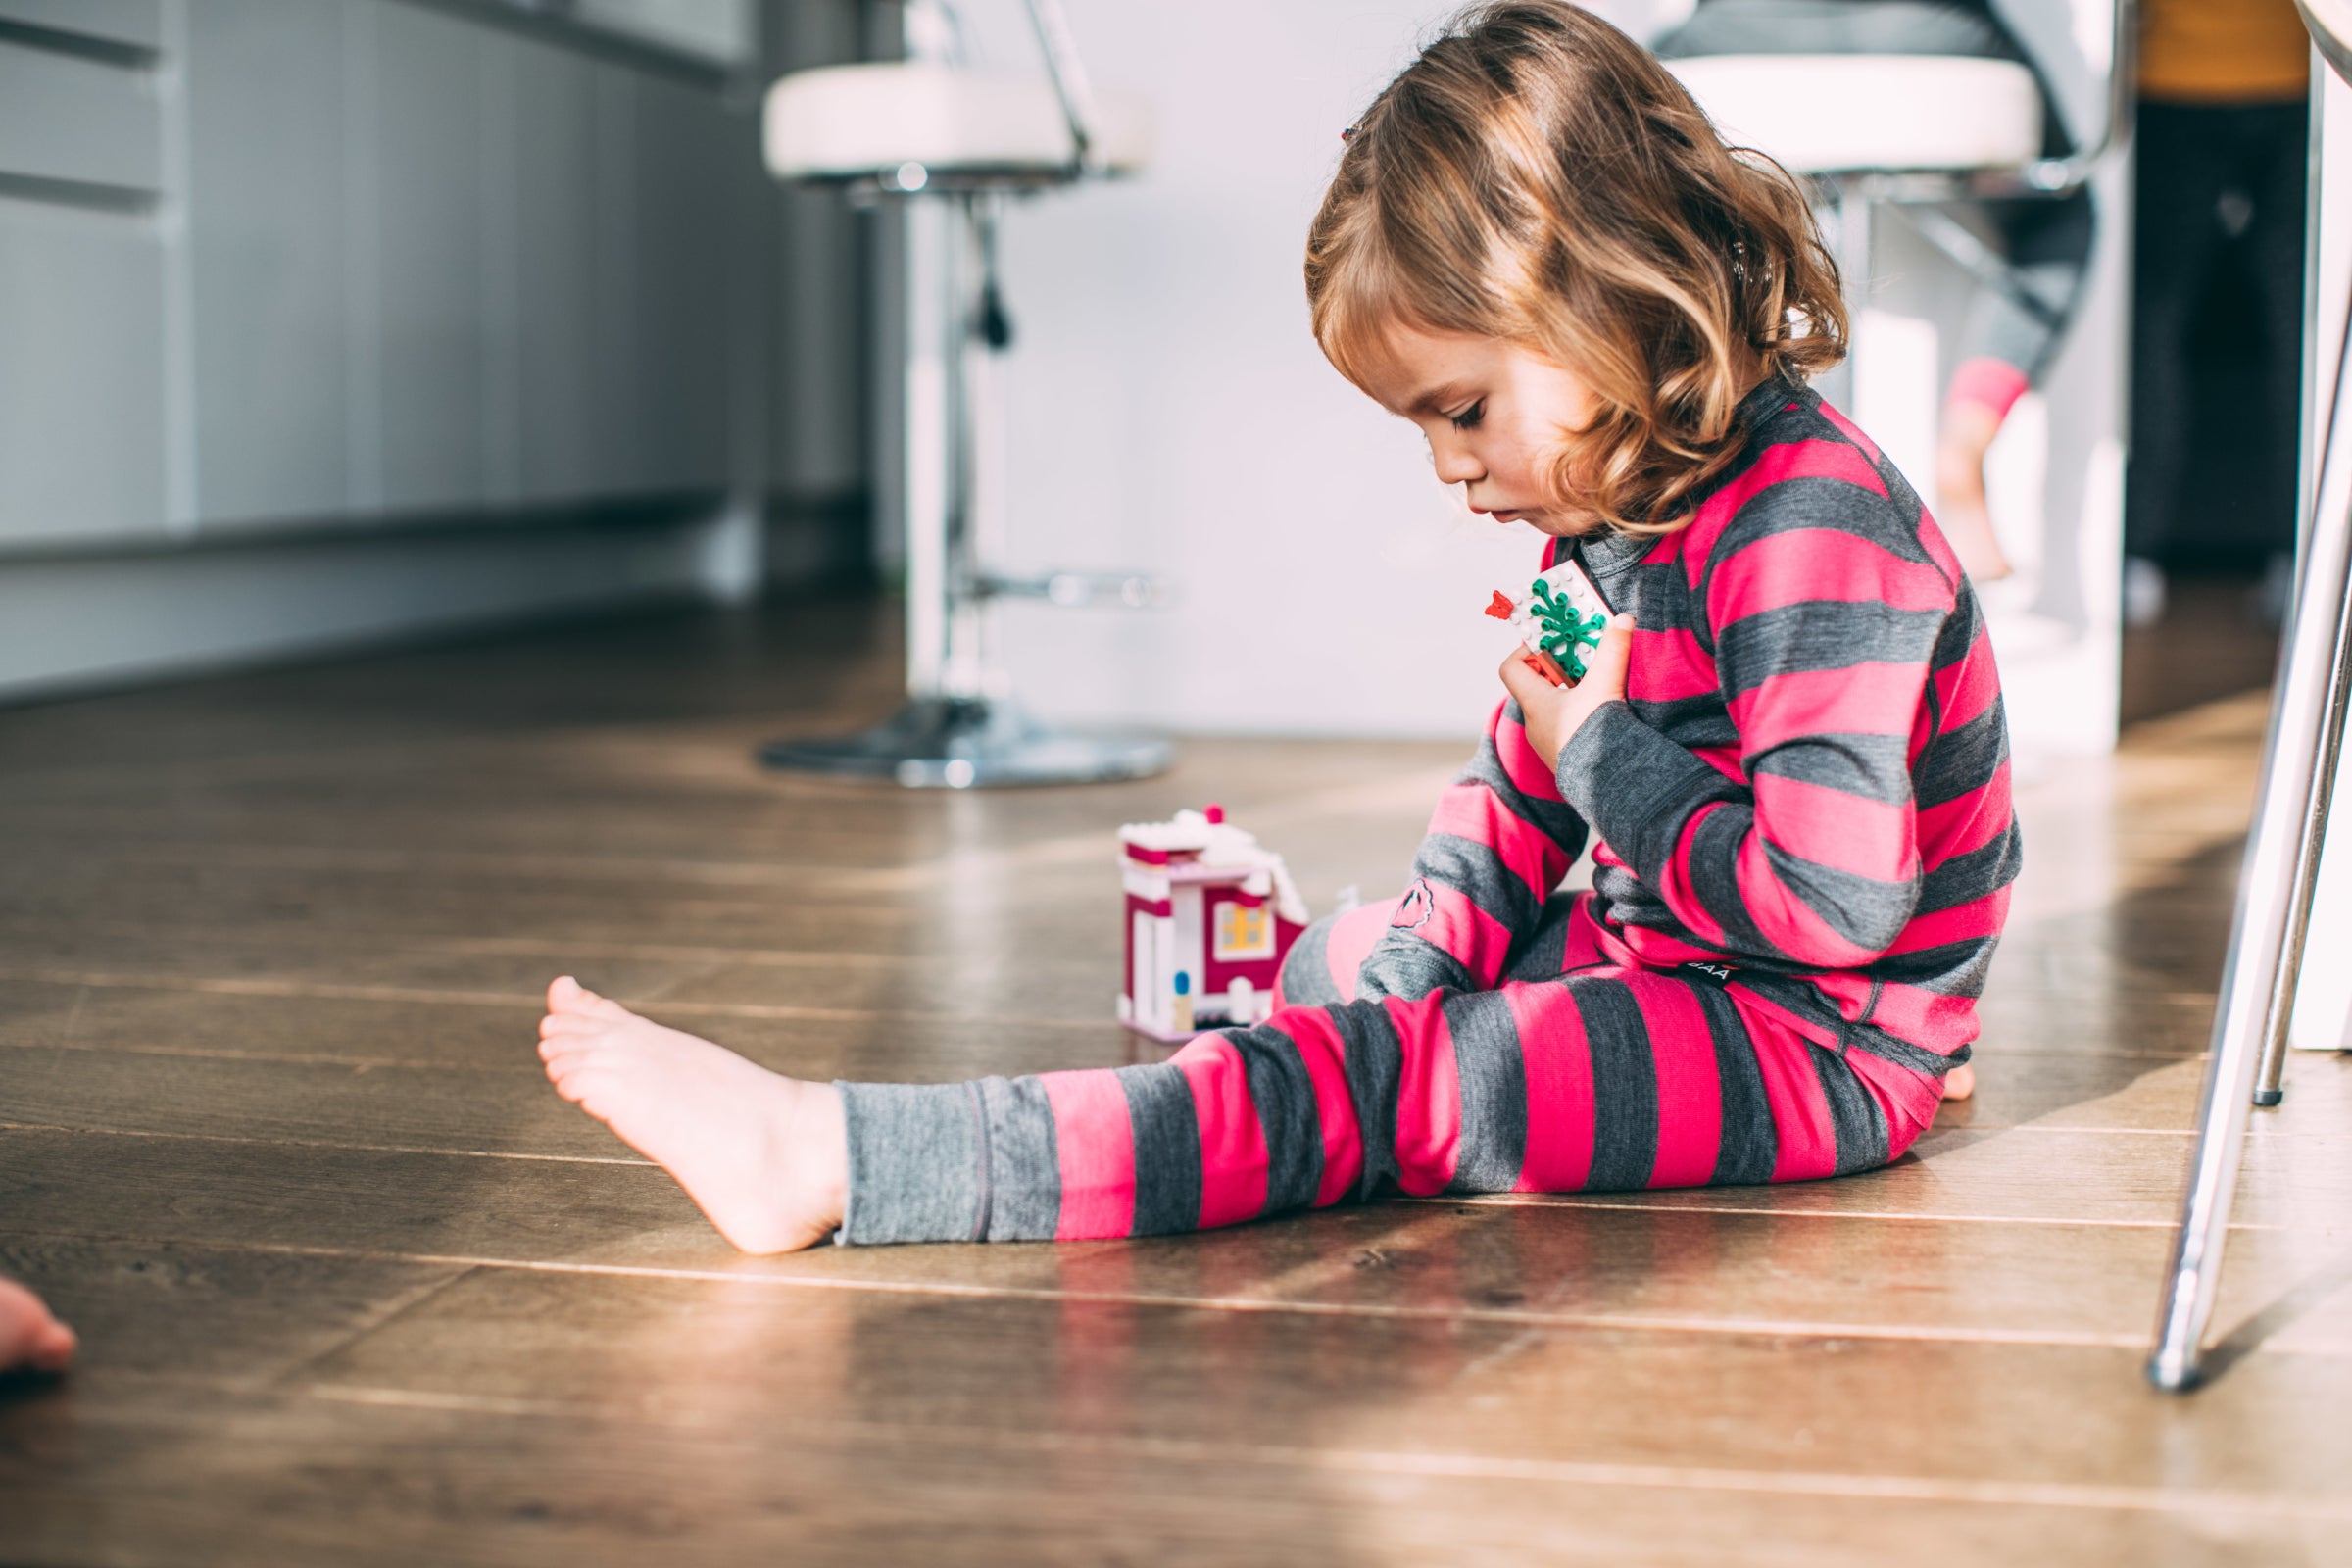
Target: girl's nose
[[1454, 462]]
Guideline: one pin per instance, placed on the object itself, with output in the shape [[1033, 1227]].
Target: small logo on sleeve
[[1715, 975], [1414, 909]]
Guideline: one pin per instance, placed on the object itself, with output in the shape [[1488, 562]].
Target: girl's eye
[[1468, 419]]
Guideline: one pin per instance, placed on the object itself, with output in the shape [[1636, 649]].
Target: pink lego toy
[[1561, 615], [1209, 917]]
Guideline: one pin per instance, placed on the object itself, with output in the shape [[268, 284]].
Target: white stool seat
[[846, 122], [1832, 113]]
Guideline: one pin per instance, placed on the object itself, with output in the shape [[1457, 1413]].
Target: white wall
[[1170, 410]]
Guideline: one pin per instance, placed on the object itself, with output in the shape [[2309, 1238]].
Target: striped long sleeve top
[[1807, 782]]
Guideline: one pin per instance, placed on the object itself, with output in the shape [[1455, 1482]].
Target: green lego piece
[[1567, 632]]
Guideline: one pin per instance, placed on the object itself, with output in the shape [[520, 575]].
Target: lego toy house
[[1209, 916]]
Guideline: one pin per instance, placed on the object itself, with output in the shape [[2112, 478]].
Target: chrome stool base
[[960, 743]]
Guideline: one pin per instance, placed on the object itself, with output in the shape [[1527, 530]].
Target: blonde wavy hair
[[1537, 175]]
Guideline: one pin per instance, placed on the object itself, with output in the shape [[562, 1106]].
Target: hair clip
[[1349, 134]]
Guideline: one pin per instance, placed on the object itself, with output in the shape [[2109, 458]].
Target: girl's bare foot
[[766, 1156], [1960, 1082], [29, 1337]]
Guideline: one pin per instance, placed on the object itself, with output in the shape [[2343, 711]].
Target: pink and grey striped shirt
[[1807, 782]]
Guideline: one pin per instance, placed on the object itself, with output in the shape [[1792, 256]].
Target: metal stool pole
[[1855, 220], [959, 728], [2307, 712]]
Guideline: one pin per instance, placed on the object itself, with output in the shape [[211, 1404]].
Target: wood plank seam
[[1577, 1201], [1773, 1329], [330, 991], [372, 937], [1568, 1472], [326, 1143], [384, 1314]]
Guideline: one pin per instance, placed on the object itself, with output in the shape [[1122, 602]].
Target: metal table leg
[[2269, 1084], [2307, 717]]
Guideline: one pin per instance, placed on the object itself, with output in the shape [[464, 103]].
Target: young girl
[[1790, 746]]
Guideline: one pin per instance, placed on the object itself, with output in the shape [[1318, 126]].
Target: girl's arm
[[1829, 618], [1499, 842]]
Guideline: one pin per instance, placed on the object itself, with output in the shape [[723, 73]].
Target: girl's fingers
[[1540, 705], [1522, 682], [1606, 675]]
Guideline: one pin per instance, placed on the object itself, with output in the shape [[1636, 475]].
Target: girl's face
[[1492, 411]]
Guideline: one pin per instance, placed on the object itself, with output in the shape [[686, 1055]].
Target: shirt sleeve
[[1825, 612], [1499, 843]]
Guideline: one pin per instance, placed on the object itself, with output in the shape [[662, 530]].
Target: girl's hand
[[1555, 713]]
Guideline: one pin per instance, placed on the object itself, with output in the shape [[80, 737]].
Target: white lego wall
[[1170, 410]]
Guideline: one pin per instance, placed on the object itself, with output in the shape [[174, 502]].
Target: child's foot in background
[[29, 1338], [1961, 508], [766, 1156], [1960, 1082]]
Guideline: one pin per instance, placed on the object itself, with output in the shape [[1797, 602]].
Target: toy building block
[[1561, 615], [1210, 916]]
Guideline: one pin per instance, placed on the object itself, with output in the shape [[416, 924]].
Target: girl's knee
[[1306, 979], [1907, 1103], [1321, 966]]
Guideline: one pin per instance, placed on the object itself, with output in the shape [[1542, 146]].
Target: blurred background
[[326, 323]]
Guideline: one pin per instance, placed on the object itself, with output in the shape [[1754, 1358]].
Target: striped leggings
[[1581, 1071]]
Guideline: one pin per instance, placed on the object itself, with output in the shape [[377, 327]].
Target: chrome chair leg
[[2270, 1083], [2307, 711]]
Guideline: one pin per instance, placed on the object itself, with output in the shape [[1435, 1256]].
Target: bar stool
[[1912, 131], [922, 134], [2282, 866]]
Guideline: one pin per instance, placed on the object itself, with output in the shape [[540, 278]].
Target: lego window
[[1244, 931]]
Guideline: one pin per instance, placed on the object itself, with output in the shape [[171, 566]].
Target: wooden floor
[[2210, 643], [356, 1288]]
